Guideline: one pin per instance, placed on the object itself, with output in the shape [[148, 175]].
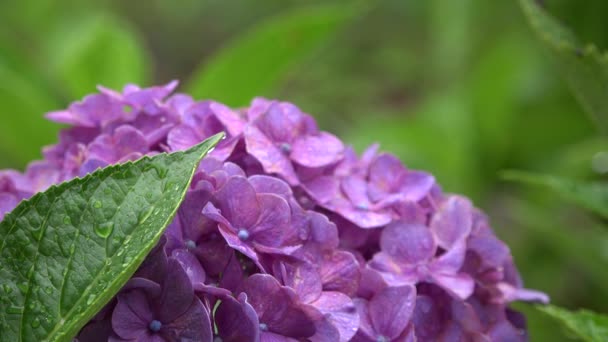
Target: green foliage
[[98, 50], [588, 326], [67, 251], [252, 64], [592, 196], [584, 67]]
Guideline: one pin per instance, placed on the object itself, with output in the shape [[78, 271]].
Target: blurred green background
[[462, 88]]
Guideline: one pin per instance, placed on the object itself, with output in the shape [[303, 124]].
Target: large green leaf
[[65, 252], [587, 325], [100, 50], [591, 196], [251, 64], [584, 67]]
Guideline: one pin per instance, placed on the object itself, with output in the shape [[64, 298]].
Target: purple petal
[[237, 202], [131, 315], [177, 293], [317, 150], [182, 137], [452, 222], [230, 119], [193, 268], [384, 173], [391, 309], [192, 325], [8, 202], [408, 243], [340, 311], [237, 320], [416, 185], [277, 307], [366, 331], [361, 217], [271, 158], [322, 189], [355, 189], [510, 293], [340, 271], [303, 279], [460, 285], [273, 221], [270, 185]]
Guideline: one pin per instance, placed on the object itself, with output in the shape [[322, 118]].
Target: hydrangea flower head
[[286, 234]]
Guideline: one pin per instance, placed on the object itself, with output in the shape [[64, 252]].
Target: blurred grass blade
[[592, 196], [585, 68], [587, 325], [100, 50], [253, 63]]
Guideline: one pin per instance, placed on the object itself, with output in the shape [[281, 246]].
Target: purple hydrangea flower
[[285, 234]]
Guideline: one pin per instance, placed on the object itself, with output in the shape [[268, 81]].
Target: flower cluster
[[285, 234]]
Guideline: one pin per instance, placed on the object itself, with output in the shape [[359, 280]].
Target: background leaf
[[591, 196], [585, 68], [24, 101], [587, 325], [67, 251], [251, 64], [98, 50]]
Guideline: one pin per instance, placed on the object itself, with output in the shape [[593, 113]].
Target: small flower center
[[362, 206], [155, 326], [382, 338], [190, 244], [285, 148], [243, 234], [263, 327]]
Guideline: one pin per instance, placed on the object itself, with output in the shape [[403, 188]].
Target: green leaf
[[101, 50], [23, 101], [251, 64], [65, 252], [592, 196], [587, 325], [585, 68]]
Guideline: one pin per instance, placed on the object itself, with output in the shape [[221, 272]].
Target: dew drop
[[67, 220], [14, 310], [36, 323], [7, 288], [97, 204], [48, 290], [243, 234], [72, 249], [104, 230], [90, 299]]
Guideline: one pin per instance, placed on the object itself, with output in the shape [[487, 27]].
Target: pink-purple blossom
[[286, 234]]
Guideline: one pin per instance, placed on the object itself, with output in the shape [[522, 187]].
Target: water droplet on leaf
[[97, 204], [36, 323], [67, 220], [104, 230]]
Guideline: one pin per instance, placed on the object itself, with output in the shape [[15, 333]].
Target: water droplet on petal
[[243, 234]]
